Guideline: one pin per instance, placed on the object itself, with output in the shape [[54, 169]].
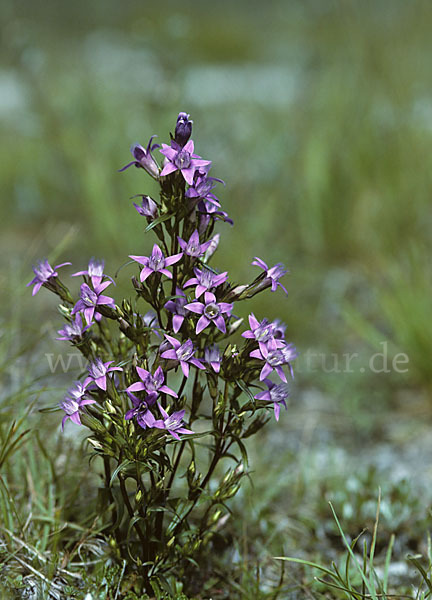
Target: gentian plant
[[168, 398]]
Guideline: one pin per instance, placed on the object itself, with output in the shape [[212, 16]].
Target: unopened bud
[[183, 129]]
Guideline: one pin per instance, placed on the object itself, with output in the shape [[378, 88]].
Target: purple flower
[[183, 129], [172, 423], [212, 356], [94, 271], [274, 358], [156, 263], [183, 353], [141, 410], [176, 306], [98, 372], [272, 275], [73, 330], [144, 159], [148, 207], [211, 312], [91, 299], [261, 332], [205, 280], [44, 272], [151, 383], [183, 160], [276, 393], [209, 211], [75, 398], [201, 188], [193, 247]]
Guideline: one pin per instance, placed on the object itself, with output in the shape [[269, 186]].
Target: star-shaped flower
[[95, 272], [193, 247], [75, 398], [151, 383], [156, 263], [211, 312], [274, 358], [276, 393], [205, 280], [184, 353], [98, 372], [172, 423], [141, 410], [73, 330], [91, 299], [183, 160], [273, 274], [261, 332], [43, 273]]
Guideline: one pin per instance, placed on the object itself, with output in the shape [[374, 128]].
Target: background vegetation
[[317, 115]]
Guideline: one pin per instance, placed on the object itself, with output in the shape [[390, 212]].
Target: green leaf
[[120, 467], [244, 388], [158, 221]]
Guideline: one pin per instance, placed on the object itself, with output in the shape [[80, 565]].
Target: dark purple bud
[[203, 222], [183, 129], [148, 207]]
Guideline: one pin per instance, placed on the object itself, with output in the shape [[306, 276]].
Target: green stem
[[130, 510], [107, 469]]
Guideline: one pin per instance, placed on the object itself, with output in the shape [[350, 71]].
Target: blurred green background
[[317, 114]]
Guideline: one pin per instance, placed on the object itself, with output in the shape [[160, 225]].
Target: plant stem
[[130, 509]]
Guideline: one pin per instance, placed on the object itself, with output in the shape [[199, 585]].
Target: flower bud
[[183, 129], [148, 207], [214, 243]]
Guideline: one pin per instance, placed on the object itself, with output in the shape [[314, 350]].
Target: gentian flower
[[172, 423], [276, 393], [183, 129], [212, 356], [73, 330], [75, 398], [141, 410], [261, 332], [44, 272], [176, 307], [193, 247], [94, 271], [151, 383], [201, 188], [183, 353], [274, 358], [98, 372], [205, 280], [272, 275], [148, 207], [156, 263], [144, 159], [211, 312], [183, 160], [91, 299]]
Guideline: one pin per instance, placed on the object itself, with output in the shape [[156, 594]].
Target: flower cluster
[[150, 375]]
